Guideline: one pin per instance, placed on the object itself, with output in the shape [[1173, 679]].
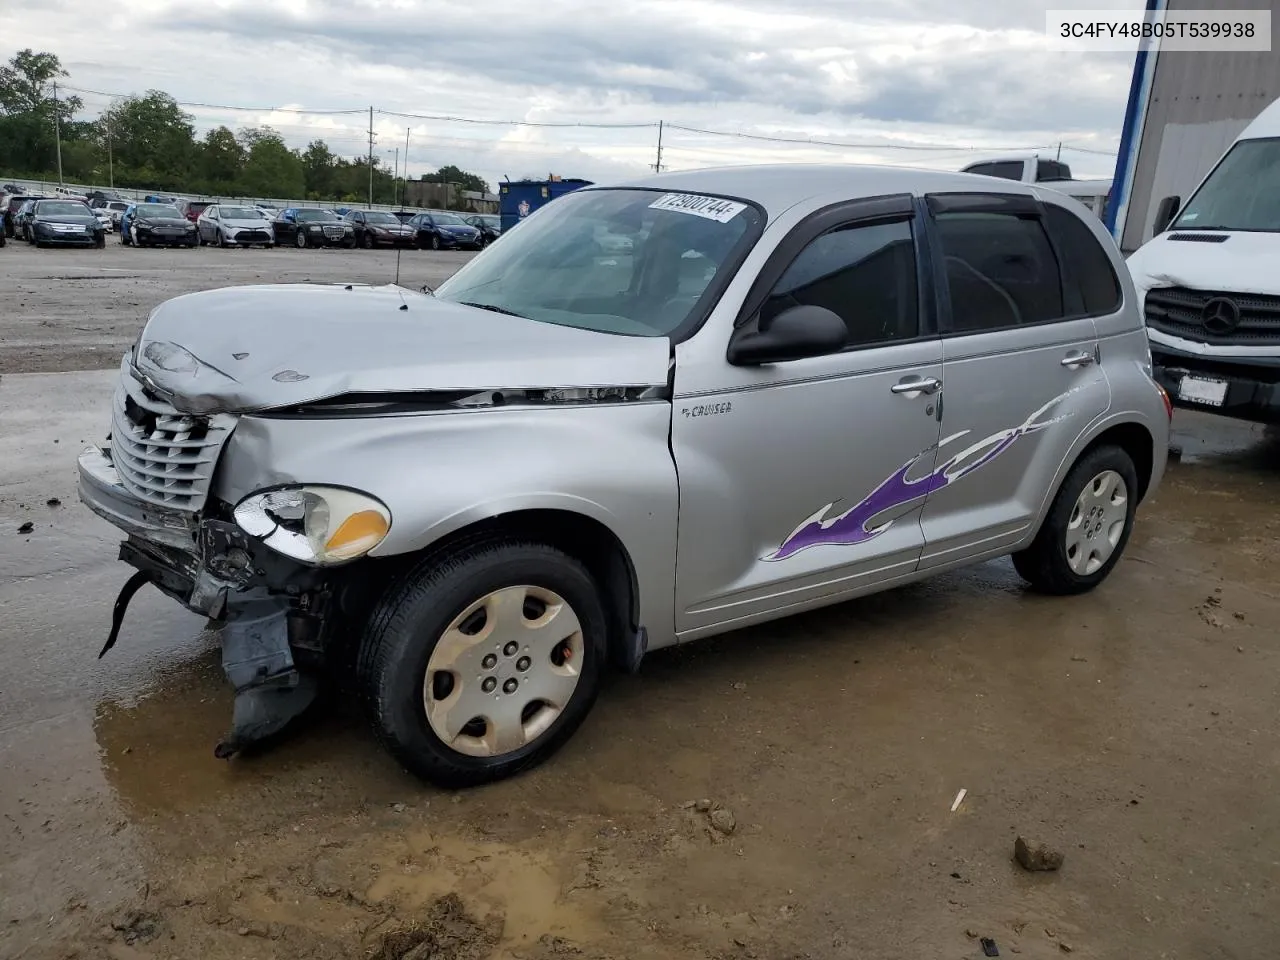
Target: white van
[[1209, 282]]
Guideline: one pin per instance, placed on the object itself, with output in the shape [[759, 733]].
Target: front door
[[802, 481], [1020, 363]]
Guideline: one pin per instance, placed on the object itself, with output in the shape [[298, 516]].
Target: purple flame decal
[[855, 526]]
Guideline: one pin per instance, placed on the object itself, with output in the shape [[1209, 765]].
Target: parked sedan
[[229, 226], [444, 231], [312, 227], [63, 222], [156, 224], [489, 225], [376, 228]]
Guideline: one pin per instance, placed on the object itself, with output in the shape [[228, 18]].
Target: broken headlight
[[319, 525]]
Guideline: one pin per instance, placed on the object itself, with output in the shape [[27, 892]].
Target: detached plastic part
[[989, 948]]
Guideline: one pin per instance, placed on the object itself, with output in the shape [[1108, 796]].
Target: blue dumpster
[[518, 199]]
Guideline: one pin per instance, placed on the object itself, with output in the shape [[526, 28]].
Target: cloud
[[950, 72]]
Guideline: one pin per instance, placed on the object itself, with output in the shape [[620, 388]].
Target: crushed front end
[[152, 480]]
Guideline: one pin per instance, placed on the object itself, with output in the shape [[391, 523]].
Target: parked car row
[[187, 223]]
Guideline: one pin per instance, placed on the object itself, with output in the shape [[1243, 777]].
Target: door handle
[[1076, 359], [925, 385]]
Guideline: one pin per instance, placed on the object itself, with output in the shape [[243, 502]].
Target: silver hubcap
[[502, 672], [1097, 522]]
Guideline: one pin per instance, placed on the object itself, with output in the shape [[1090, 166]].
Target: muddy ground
[[1133, 728]]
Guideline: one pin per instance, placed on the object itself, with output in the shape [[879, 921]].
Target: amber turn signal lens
[[358, 534]]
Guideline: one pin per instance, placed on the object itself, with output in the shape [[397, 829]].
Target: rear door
[[1020, 364]]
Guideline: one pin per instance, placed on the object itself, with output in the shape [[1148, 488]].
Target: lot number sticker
[[710, 208]]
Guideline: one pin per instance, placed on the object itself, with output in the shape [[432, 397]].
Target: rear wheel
[[482, 662], [1086, 528]]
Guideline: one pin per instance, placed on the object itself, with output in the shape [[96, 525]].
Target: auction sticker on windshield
[[712, 208]]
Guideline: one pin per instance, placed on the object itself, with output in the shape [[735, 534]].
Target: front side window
[[864, 273], [1000, 271], [1242, 192], [631, 262]]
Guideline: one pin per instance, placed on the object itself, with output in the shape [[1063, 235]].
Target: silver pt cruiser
[[656, 412]]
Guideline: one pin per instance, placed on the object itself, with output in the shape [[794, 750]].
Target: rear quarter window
[[1085, 263]]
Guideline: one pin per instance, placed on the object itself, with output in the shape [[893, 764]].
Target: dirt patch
[[445, 932]]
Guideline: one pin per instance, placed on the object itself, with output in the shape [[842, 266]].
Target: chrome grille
[[334, 233], [164, 456], [1179, 311]]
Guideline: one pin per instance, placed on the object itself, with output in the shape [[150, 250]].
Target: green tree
[[154, 141], [222, 159], [28, 110], [318, 168], [451, 174], [271, 169]]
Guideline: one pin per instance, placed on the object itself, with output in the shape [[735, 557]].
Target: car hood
[[246, 224], [458, 227], [392, 227], [1242, 263], [161, 221], [242, 349], [84, 220]]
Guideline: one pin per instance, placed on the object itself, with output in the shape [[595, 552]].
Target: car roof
[[776, 187]]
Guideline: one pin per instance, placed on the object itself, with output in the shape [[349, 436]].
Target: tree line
[[149, 141]]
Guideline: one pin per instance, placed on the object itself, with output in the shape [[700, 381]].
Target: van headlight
[[315, 524]]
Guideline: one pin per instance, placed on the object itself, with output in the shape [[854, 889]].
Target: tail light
[[1168, 404]]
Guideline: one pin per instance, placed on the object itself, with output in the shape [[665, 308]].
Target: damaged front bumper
[[272, 610]]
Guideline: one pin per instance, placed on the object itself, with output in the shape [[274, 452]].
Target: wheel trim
[[503, 675], [1097, 523]]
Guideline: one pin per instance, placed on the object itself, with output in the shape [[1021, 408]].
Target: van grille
[[163, 456], [1181, 312]]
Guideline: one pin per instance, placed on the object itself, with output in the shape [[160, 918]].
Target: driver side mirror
[[1165, 213], [794, 334]]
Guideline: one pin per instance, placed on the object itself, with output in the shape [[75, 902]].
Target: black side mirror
[[795, 333], [1165, 213]]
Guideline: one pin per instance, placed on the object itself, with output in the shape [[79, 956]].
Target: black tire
[[435, 241], [367, 241], [300, 240], [407, 623], [100, 241], [1044, 564]]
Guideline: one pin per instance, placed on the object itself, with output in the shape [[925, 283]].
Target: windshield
[[314, 215], [239, 213], [1242, 192], [61, 208], [378, 217], [632, 262], [157, 210], [117, 206], [448, 218]]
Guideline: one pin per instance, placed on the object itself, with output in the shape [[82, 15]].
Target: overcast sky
[[951, 74]]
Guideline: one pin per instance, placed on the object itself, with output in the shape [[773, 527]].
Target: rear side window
[[866, 274], [1005, 169], [1000, 270], [1050, 170], [1085, 262]]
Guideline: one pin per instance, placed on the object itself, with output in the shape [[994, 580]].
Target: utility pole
[[57, 131], [371, 158], [657, 167], [395, 177], [405, 188], [111, 175]]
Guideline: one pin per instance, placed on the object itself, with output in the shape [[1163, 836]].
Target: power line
[[934, 148], [520, 123], [221, 106]]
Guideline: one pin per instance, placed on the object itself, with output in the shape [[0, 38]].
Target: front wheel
[[435, 241], [300, 240], [481, 663], [367, 241], [1086, 528]]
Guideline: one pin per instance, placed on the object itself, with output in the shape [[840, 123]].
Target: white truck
[[1054, 174]]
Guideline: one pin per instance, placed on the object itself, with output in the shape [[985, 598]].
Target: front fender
[[440, 472]]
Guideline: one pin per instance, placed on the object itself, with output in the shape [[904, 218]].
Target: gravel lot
[[1133, 728]]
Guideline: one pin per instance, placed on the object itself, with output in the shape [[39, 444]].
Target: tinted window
[[1000, 270], [1086, 263], [866, 274], [1049, 170], [1005, 170]]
